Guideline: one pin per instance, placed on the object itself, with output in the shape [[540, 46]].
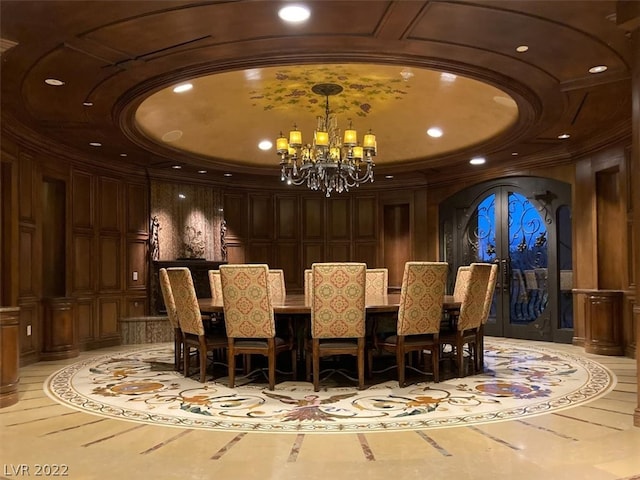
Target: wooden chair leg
[[316, 364], [177, 347], [294, 364], [361, 363], [185, 361], [271, 354], [308, 356], [231, 361], [460, 356], [400, 354], [202, 351]]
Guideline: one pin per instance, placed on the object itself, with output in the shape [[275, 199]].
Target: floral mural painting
[[291, 87], [193, 243]]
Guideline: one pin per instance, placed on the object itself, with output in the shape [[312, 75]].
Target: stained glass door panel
[[520, 232]]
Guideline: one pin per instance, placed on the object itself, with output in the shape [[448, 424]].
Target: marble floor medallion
[[521, 379]]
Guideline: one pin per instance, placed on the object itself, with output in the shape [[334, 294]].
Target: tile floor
[[598, 441]]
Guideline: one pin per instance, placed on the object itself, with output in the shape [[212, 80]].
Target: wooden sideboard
[[199, 272]]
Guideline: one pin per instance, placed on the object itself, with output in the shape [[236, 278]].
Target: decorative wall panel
[[109, 263], [83, 263], [287, 224], [137, 261], [109, 203], [29, 331], [86, 322], [235, 214], [28, 262], [313, 218], [109, 310], [82, 200], [137, 210], [189, 219], [365, 218], [26, 189], [260, 217], [338, 219]]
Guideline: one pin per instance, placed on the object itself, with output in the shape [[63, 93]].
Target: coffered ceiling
[[405, 66]]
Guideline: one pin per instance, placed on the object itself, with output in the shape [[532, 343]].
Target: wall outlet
[[135, 276], [28, 330]]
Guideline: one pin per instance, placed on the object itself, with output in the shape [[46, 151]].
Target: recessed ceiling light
[[389, 177], [176, 167], [184, 87], [406, 74], [434, 132], [95, 144], [564, 136], [172, 136], [448, 77], [265, 145], [598, 69], [228, 174], [182, 195], [123, 154], [522, 48], [294, 13], [202, 171], [253, 74], [87, 104], [54, 82], [477, 161], [515, 154]]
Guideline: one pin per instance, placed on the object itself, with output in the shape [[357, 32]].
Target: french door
[[522, 224]]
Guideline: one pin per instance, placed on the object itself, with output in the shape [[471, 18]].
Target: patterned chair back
[[215, 284], [338, 300], [186, 302], [377, 282], [462, 279], [277, 287], [248, 312], [472, 305], [491, 287], [308, 285], [167, 296], [421, 297]]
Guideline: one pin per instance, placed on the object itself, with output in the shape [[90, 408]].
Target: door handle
[[505, 267]]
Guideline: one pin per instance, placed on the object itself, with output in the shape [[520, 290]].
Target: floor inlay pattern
[[521, 380]]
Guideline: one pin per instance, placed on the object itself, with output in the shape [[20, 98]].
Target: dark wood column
[[628, 17], [9, 355]]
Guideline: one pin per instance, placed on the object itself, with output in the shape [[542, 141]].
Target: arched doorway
[[524, 225]]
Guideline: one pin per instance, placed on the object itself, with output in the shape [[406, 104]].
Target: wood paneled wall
[[80, 234], [604, 249], [291, 231]]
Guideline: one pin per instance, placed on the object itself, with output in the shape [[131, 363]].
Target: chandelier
[[331, 162]]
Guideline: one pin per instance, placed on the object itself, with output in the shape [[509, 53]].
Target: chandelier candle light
[[330, 163]]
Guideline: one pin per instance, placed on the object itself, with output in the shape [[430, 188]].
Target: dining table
[[297, 304]]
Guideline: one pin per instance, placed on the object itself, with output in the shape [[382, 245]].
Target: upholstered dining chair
[[308, 285], [277, 287], [215, 284], [170, 305], [419, 315], [190, 320], [470, 317], [488, 300], [249, 318], [337, 316], [460, 285], [377, 282]]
